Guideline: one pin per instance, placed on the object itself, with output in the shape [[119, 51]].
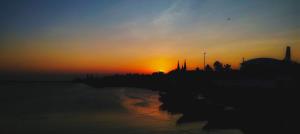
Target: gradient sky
[[108, 36]]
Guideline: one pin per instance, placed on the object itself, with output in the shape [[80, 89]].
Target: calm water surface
[[78, 109]]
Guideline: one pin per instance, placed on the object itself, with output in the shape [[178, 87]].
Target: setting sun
[[161, 65]]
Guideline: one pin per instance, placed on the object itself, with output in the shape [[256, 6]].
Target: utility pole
[[204, 64]]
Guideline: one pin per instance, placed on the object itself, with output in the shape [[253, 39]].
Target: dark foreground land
[[256, 103]]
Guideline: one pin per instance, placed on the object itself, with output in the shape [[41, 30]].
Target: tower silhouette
[[178, 66], [184, 65], [287, 57]]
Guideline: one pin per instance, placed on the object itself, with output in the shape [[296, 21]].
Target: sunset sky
[[143, 36]]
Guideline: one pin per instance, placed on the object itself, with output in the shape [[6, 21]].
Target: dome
[[262, 61], [262, 65]]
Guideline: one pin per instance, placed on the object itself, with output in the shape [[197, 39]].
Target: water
[[40, 108]]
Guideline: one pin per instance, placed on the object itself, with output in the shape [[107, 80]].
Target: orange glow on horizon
[[48, 60]]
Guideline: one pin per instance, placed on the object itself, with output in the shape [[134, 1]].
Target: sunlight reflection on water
[[79, 109], [144, 104]]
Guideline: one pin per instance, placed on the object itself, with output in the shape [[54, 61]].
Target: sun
[[161, 70], [160, 65]]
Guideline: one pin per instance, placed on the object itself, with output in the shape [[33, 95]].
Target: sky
[[142, 36]]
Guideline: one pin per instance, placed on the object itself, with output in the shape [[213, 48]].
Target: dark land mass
[[34, 81], [259, 98]]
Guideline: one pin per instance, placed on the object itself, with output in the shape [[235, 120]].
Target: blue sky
[[30, 15], [123, 29]]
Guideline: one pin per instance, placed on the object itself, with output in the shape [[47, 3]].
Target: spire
[[184, 66], [287, 57], [178, 66]]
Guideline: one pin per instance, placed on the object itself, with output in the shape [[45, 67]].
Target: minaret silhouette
[[287, 57]]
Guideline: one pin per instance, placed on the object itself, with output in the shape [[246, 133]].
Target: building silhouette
[[268, 64], [287, 57], [183, 68]]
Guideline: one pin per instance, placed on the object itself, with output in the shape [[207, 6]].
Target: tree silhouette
[[227, 68], [208, 68], [218, 66]]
